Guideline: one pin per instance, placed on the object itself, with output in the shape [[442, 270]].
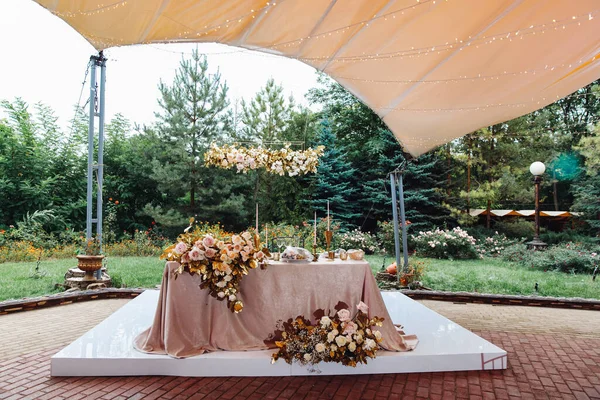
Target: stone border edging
[[59, 299], [12, 306], [506, 300]]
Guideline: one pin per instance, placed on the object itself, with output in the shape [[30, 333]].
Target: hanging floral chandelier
[[283, 161]]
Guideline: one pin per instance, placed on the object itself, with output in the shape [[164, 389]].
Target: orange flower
[[117, 202]]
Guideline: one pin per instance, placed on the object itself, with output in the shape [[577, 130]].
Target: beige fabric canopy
[[433, 70]]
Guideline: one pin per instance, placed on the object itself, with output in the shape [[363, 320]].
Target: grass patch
[[16, 279], [489, 275], [495, 276]]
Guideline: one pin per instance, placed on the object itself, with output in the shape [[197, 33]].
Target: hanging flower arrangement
[[220, 259], [283, 161]]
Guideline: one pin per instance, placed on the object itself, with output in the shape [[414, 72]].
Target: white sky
[[44, 59]]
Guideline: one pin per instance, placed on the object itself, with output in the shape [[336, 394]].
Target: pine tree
[[193, 115], [334, 181]]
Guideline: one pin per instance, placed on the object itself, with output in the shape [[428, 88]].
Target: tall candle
[[256, 218], [267, 236], [315, 233], [328, 227]]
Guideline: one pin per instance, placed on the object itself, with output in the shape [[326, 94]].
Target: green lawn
[[483, 276], [16, 281], [495, 276]]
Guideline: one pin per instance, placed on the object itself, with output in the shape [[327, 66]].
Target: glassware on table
[[343, 255]]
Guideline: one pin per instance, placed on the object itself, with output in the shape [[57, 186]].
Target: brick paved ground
[[553, 354]]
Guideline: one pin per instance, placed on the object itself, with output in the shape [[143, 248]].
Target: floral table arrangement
[[221, 260], [281, 162], [336, 338]]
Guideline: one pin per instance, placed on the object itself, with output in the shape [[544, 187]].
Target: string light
[[455, 80], [460, 44], [484, 107], [101, 9]]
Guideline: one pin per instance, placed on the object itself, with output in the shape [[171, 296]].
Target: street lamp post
[[537, 170]]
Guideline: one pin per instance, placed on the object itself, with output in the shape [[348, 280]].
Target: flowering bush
[[492, 246], [220, 259], [281, 162], [335, 338], [455, 243], [358, 240]]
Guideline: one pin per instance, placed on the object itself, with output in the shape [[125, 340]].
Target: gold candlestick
[[328, 237]]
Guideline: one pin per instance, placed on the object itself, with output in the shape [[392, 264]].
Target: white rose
[[340, 340], [377, 335], [320, 347], [325, 321], [307, 357], [333, 347], [221, 284], [352, 346], [369, 344], [227, 278], [331, 337], [232, 297], [221, 294]]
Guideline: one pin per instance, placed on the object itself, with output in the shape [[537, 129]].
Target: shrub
[[516, 229], [492, 246], [455, 243], [569, 235], [358, 240], [385, 237], [568, 257]]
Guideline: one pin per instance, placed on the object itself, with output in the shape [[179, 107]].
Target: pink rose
[[181, 248], [350, 328], [362, 307], [196, 254], [185, 259], [344, 315], [244, 255], [259, 255], [237, 248], [208, 241], [210, 253]]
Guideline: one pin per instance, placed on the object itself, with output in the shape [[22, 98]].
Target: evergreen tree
[[334, 181], [193, 116], [424, 193]]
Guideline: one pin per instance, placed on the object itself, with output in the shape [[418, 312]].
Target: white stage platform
[[107, 349]]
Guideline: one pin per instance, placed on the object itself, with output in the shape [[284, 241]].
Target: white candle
[[267, 235], [315, 233], [328, 227], [256, 218]]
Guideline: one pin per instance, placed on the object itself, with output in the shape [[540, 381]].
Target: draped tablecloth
[[189, 322]]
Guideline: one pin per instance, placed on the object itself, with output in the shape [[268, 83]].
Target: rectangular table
[[189, 322]]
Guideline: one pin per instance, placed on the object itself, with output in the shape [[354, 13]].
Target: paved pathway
[[553, 354]]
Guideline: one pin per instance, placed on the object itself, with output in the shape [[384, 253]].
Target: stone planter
[[89, 264]]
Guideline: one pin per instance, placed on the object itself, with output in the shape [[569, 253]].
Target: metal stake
[[96, 61], [395, 216], [90, 170], [403, 221]]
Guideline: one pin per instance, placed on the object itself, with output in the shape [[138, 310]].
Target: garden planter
[[89, 264]]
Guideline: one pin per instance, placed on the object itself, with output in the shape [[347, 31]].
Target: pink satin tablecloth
[[189, 322]]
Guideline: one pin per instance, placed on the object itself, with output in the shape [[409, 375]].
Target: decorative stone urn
[[89, 264]]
